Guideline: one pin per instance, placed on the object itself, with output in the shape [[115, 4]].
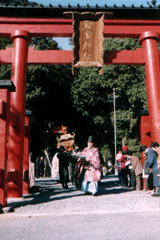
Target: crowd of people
[[131, 171], [85, 168], [151, 168], [129, 168]]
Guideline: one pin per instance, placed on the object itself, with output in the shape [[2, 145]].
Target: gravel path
[[56, 214], [53, 200]]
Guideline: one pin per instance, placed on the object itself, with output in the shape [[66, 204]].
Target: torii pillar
[[149, 44], [6, 86], [26, 180], [20, 40]]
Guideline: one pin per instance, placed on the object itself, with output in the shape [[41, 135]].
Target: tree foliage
[[48, 96], [152, 3], [93, 99], [18, 2]]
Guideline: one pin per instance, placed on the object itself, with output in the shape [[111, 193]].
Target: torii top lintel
[[50, 21]]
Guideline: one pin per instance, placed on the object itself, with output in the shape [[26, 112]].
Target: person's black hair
[[143, 148], [154, 144], [124, 152], [129, 153]]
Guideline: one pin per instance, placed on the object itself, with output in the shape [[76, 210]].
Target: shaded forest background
[[83, 102]]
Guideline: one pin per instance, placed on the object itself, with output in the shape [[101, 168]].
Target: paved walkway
[[53, 213], [53, 200]]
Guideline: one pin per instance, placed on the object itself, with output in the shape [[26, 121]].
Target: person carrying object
[[92, 168]]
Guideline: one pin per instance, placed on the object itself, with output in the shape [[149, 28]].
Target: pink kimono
[[92, 165]]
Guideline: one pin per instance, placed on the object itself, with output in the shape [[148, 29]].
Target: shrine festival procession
[[79, 120]]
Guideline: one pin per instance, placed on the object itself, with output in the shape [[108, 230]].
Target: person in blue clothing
[[152, 163]]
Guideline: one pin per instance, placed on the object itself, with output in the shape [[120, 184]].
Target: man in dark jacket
[[152, 163], [63, 167]]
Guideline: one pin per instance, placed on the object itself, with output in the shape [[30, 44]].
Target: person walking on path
[[152, 163], [63, 167], [74, 157], [146, 172], [92, 168]]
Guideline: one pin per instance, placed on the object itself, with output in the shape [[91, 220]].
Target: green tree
[[152, 3], [18, 2], [47, 95], [93, 99], [44, 43], [89, 93], [130, 85]]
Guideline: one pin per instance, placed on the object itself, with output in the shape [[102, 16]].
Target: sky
[[101, 3], [64, 42]]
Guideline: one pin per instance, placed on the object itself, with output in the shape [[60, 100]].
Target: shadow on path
[[112, 187], [50, 190]]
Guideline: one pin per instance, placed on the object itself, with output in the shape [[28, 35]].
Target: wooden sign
[[87, 39]]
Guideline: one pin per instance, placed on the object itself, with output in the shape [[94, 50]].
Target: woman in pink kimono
[[92, 168]]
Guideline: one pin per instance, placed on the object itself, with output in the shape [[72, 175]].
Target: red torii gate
[[22, 28]]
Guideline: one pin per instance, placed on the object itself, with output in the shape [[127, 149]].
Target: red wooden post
[[145, 128], [26, 184], [149, 44], [145, 132], [16, 134], [6, 86]]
